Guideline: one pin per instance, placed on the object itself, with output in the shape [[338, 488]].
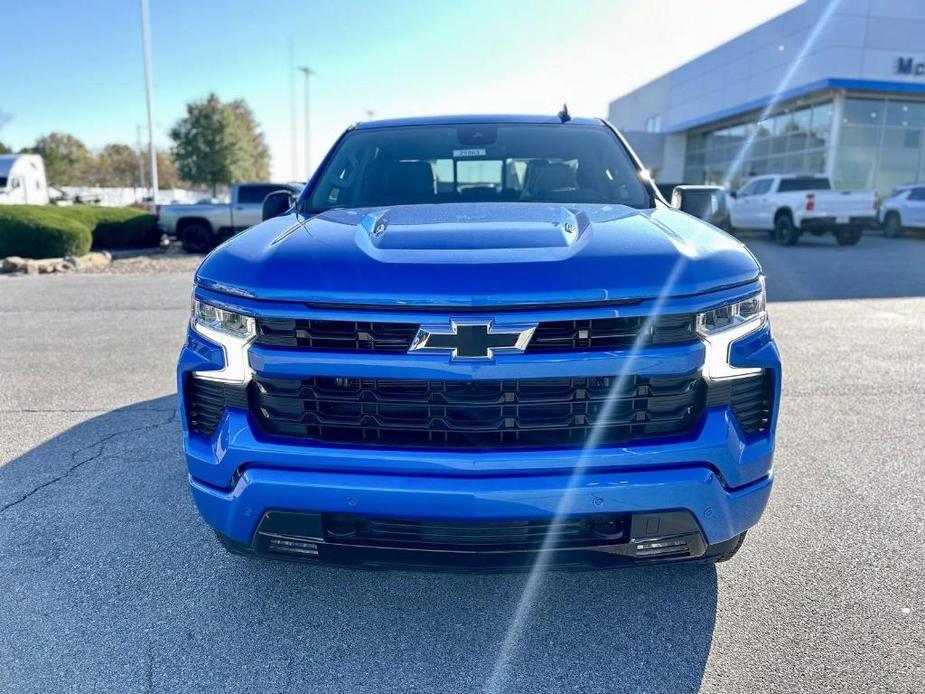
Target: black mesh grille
[[569, 531], [543, 412], [550, 336], [610, 333], [347, 336]]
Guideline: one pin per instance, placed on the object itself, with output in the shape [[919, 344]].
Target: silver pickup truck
[[201, 227]]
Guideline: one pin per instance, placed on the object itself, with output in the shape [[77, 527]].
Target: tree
[[68, 162], [117, 166], [253, 150], [4, 149], [218, 143]]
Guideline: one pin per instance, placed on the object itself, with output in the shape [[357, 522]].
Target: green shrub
[[32, 231], [118, 227], [47, 232]]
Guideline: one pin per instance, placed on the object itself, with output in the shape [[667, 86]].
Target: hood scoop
[[403, 229]]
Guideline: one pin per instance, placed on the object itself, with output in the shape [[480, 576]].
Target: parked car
[[788, 205], [22, 180], [201, 227], [903, 208], [538, 356]]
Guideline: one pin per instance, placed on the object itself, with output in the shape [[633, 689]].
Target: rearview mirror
[[704, 202], [276, 203]]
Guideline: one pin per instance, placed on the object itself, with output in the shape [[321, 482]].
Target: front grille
[[336, 335], [611, 333], [570, 531], [540, 412], [550, 336]]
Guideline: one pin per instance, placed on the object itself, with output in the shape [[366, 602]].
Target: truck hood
[[467, 254]]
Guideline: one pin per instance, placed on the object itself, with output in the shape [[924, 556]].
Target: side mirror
[[277, 203], [704, 202], [733, 194]]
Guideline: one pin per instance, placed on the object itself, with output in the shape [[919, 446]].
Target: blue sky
[[77, 67]]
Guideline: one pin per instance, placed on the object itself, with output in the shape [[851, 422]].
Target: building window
[[790, 141], [881, 144], [654, 124]]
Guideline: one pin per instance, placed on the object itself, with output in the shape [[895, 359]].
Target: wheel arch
[[783, 210], [184, 222], [893, 212]]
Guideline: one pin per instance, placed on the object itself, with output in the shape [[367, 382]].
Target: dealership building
[[826, 88]]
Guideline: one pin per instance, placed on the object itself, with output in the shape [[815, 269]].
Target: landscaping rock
[[13, 264], [95, 260]]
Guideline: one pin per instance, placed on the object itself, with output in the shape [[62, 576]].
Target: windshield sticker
[[460, 153]]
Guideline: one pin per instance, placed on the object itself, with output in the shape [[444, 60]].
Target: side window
[[255, 194], [762, 187], [917, 194], [746, 190]]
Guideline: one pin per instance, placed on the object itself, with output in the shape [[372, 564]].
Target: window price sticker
[[475, 152]]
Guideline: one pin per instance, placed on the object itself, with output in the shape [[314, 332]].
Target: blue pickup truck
[[480, 342]]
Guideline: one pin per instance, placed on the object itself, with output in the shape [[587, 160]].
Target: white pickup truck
[[788, 205], [201, 227]]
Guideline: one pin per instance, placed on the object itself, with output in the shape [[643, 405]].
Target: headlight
[[750, 310], [720, 327], [213, 318], [233, 332]]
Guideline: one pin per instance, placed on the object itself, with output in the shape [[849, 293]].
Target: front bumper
[[244, 516], [717, 475]]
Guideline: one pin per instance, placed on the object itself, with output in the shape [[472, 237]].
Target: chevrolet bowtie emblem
[[472, 340]]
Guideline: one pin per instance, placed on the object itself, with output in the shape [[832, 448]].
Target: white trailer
[[22, 180]]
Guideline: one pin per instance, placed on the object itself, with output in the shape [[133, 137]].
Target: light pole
[[308, 72], [146, 41], [293, 134], [369, 114]]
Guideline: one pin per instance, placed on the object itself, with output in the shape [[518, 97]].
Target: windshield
[[479, 163]]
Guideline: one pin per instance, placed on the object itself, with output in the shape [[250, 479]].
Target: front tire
[[892, 226], [785, 233], [848, 237], [197, 238]]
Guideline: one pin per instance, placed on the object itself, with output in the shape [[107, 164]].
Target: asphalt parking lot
[[110, 583]]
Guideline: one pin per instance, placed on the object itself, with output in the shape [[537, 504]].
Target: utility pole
[[141, 156], [308, 72], [146, 41], [293, 134]]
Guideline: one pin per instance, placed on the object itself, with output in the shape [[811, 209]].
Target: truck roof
[[7, 161], [472, 119]]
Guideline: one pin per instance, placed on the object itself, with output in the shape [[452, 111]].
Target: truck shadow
[[112, 583]]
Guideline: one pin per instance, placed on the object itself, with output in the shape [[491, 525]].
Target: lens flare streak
[[498, 676]]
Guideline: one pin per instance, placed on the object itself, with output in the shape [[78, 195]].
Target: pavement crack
[[149, 671], [99, 447]]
